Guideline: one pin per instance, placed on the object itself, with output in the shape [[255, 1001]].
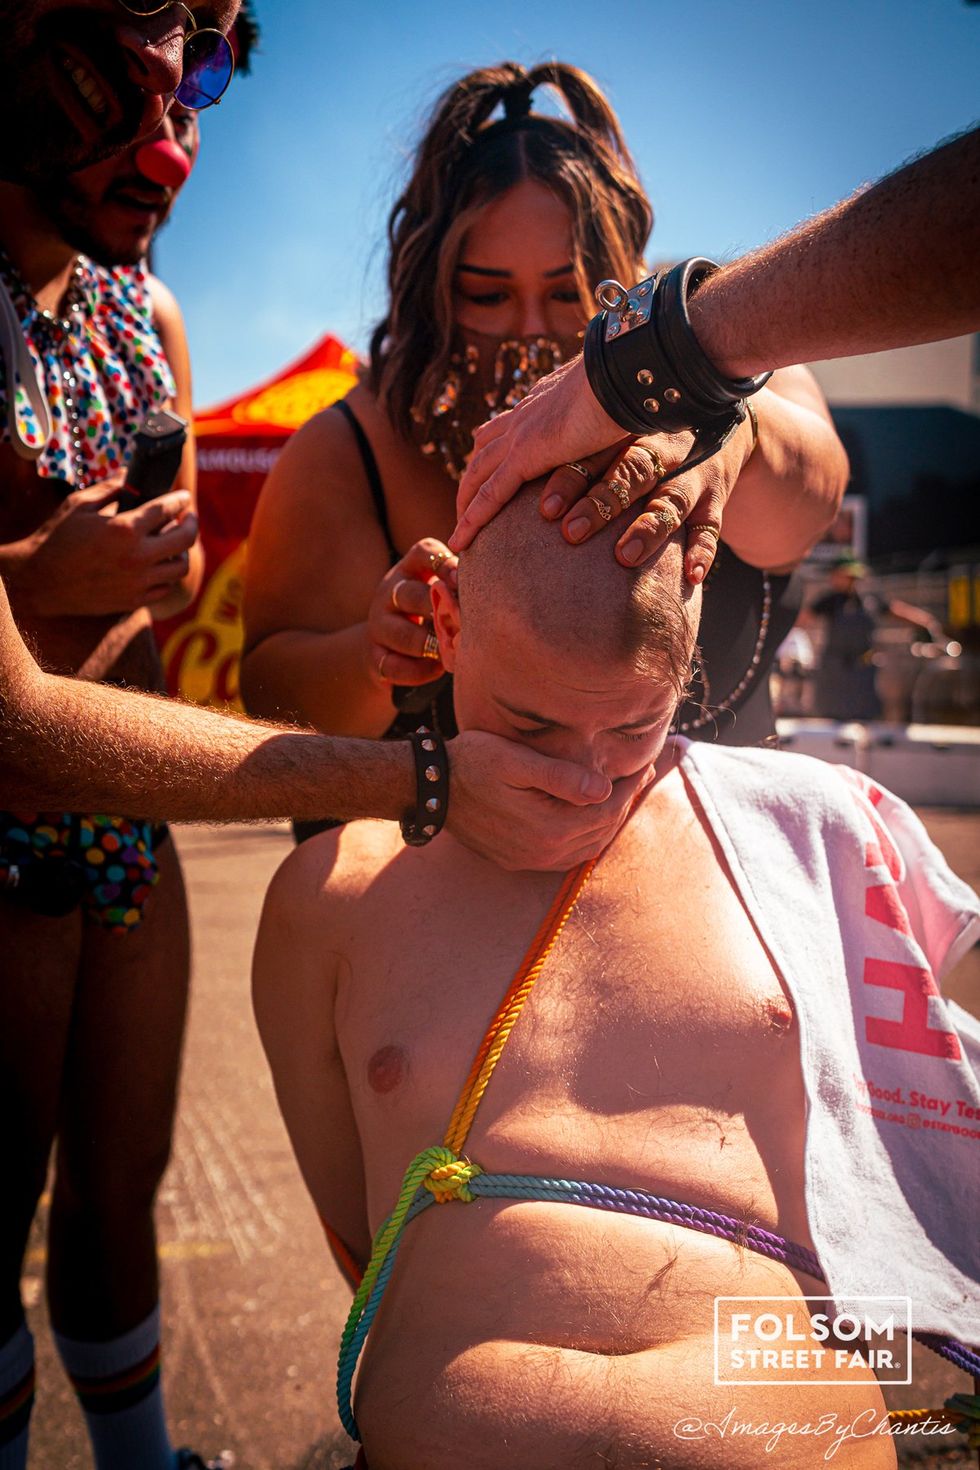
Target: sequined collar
[[81, 299]]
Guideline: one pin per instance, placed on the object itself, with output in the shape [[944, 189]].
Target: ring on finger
[[430, 648], [437, 559], [573, 464], [621, 493], [381, 664], [659, 468], [706, 526], [665, 518], [604, 510], [394, 594]]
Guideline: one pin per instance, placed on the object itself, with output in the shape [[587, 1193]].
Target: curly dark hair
[[464, 161]]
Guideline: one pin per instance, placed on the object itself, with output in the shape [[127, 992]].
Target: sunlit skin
[[514, 277], [318, 598], [112, 210], [658, 1050], [53, 121], [593, 712]]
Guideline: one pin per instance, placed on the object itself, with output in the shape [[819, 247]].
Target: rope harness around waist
[[442, 1173]]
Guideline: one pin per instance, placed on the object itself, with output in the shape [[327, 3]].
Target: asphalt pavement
[[252, 1302]]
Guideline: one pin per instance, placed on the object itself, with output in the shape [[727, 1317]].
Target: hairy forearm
[[320, 679], [895, 265], [791, 488], [68, 743]]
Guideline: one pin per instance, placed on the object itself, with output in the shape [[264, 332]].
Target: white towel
[[862, 916]]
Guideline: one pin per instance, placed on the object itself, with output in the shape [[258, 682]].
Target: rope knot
[[450, 1176]]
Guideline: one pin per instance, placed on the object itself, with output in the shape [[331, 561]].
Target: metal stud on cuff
[[420, 825]]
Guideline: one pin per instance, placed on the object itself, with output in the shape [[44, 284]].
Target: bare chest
[[652, 1001]]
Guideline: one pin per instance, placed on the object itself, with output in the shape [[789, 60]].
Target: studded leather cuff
[[648, 370], [431, 788]]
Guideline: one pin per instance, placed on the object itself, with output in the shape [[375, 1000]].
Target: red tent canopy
[[237, 445]]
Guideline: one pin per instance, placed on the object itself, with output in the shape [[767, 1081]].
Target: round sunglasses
[[208, 60]]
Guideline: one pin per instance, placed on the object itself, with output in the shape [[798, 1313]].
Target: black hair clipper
[[153, 465]]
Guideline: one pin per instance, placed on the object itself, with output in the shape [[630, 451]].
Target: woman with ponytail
[[508, 220]]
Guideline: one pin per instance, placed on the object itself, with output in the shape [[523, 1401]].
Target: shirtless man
[[658, 1051]]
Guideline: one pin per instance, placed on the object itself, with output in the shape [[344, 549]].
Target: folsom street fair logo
[[795, 1341]]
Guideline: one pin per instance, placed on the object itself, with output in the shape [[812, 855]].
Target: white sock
[[118, 1387], [16, 1398]]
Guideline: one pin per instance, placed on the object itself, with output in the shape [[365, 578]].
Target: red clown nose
[[163, 163]]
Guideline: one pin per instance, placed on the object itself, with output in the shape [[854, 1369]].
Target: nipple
[[388, 1068], [163, 162]]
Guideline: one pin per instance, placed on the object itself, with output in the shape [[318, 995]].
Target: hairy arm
[[315, 557], [88, 747], [169, 323], [66, 742], [894, 265], [298, 961]]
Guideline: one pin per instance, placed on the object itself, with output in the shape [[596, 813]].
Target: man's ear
[[445, 616]]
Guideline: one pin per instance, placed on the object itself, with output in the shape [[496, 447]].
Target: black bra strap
[[373, 476]]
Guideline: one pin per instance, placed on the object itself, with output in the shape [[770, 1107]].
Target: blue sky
[[743, 118]]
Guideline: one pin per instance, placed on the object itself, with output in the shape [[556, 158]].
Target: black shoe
[[189, 1460]]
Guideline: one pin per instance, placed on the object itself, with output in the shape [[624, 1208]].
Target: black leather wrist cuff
[[431, 788], [647, 368]]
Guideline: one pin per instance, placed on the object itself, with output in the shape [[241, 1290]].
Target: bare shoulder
[[323, 456], [166, 311], [321, 882], [316, 549]]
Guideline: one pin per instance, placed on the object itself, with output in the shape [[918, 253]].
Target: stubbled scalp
[[579, 599]]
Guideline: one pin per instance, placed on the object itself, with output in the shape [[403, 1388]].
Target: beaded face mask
[[485, 377]]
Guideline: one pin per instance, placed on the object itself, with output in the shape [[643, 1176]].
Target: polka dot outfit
[[112, 856], [101, 365], [102, 369]]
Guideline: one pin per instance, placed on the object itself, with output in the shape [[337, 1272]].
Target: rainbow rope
[[441, 1174]]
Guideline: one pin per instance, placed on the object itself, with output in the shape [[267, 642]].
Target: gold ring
[[621, 493], [437, 559], [430, 648], [394, 594], [714, 531], [381, 665], [604, 510], [667, 519], [659, 468], [573, 464]]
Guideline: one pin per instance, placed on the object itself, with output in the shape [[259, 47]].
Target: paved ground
[[252, 1303]]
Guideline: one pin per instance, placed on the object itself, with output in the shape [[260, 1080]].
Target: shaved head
[[578, 599]]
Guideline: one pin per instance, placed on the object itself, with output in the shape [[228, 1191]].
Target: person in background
[[78, 744], [70, 742], [844, 686], [509, 217], [793, 670], [94, 935], [872, 272]]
